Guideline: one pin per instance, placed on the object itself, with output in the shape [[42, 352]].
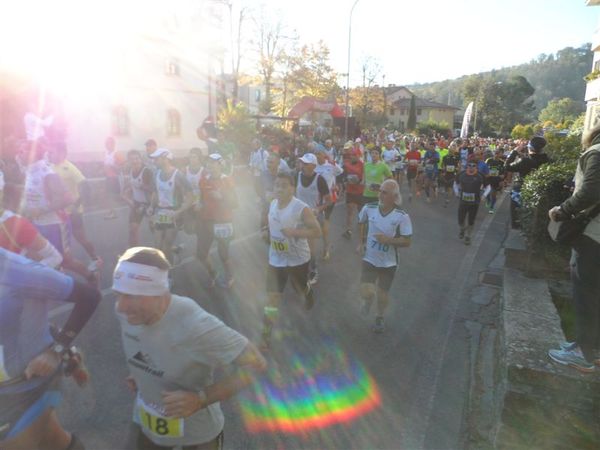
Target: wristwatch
[[60, 350]]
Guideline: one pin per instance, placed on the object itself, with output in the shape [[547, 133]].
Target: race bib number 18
[[157, 424]]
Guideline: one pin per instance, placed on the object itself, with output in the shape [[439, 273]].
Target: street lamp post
[[348, 73]]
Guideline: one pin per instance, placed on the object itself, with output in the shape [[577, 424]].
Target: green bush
[[563, 148], [543, 189], [429, 127], [236, 128]]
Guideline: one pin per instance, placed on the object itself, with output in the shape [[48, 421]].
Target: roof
[[422, 103], [391, 89]]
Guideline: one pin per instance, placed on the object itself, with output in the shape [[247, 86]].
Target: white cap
[[162, 152], [359, 140], [309, 158], [215, 156]]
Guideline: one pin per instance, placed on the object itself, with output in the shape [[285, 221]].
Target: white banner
[[464, 131]]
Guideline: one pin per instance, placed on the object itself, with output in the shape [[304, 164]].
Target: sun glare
[[72, 49]]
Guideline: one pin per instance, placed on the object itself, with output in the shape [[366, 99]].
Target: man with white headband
[[172, 347]]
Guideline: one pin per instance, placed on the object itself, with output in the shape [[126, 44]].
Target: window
[[172, 67], [120, 121], [403, 111], [597, 65], [257, 95], [392, 111], [173, 123], [419, 111]]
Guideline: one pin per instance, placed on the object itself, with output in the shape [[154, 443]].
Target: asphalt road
[[409, 384]]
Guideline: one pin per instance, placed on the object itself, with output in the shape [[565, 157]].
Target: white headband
[[140, 279]]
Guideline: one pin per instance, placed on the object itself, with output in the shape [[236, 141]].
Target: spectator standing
[[523, 161], [585, 260]]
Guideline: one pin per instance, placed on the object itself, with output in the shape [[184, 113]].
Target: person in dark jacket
[[523, 161], [584, 353]]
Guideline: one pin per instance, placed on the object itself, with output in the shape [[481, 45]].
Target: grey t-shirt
[[179, 352]]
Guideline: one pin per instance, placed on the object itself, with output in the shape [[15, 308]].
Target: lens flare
[[319, 392]]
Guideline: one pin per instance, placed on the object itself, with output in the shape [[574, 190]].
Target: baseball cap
[[309, 158], [162, 152], [359, 140], [348, 144], [215, 156]]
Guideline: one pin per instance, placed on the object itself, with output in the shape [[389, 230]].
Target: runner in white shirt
[[257, 164], [44, 201], [137, 193], [172, 347], [329, 170], [383, 228], [313, 190], [291, 224], [172, 196]]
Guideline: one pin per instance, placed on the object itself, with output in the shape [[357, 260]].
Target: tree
[[307, 73], [411, 123], [368, 101], [499, 105], [560, 110], [269, 44]]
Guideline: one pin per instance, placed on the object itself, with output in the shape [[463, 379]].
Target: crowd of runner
[[296, 191]]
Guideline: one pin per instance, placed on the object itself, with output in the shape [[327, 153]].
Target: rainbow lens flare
[[319, 392]]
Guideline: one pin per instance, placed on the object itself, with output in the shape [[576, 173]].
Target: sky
[[412, 41], [429, 40]]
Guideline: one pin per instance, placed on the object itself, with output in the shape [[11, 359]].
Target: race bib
[[164, 216], [378, 246], [413, 162], [494, 172], [158, 424], [280, 245], [468, 197], [429, 167], [223, 230], [450, 169]]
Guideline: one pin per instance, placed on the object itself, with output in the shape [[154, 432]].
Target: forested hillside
[[553, 76]]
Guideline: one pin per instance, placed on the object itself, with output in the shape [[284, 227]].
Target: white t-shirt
[[395, 223], [179, 352], [287, 252], [389, 156], [329, 172]]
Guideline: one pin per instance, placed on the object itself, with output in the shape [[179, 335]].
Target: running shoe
[[461, 234], [491, 211], [379, 326], [313, 277], [572, 357], [467, 240], [326, 255], [347, 234], [566, 345]]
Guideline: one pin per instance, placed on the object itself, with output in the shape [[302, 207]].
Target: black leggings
[[469, 209]]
